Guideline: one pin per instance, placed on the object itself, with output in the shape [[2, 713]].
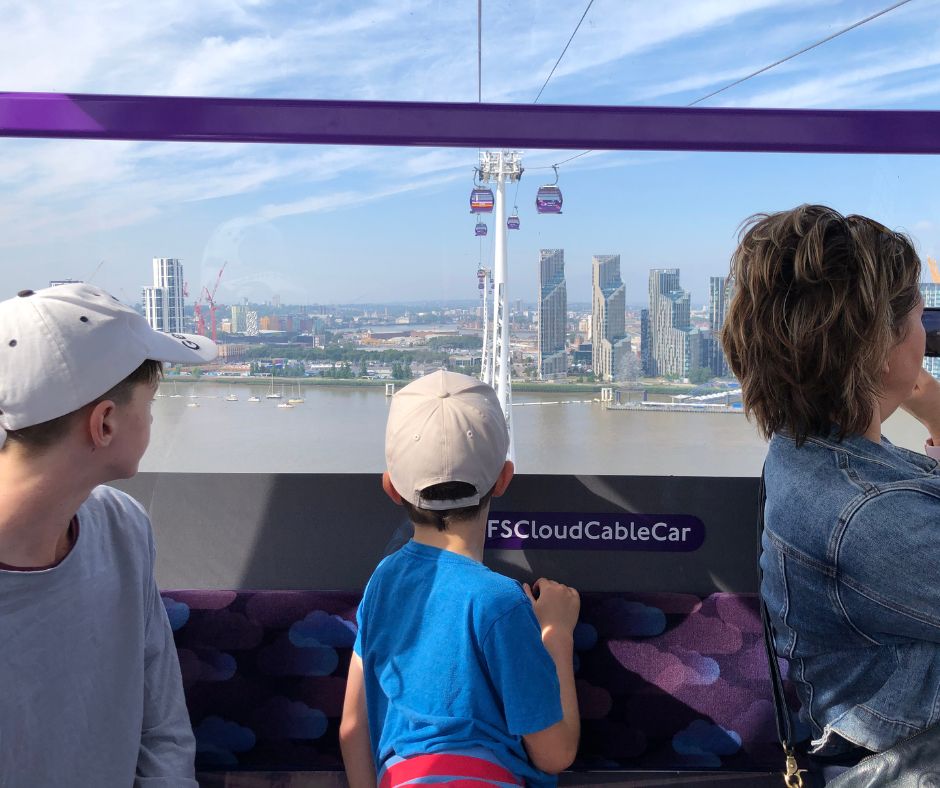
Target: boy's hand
[[556, 606]]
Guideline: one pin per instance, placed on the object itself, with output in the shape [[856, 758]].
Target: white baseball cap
[[445, 427], [63, 347]]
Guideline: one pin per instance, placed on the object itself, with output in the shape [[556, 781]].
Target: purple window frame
[[437, 124]]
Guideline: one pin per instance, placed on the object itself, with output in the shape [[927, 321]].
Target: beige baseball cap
[[445, 427], [63, 347]]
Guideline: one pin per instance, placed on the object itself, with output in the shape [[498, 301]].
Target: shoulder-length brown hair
[[819, 300]]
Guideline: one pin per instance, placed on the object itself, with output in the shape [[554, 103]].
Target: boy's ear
[[502, 481], [100, 424], [390, 490]]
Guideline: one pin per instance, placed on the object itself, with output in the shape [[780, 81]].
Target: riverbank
[[527, 387]]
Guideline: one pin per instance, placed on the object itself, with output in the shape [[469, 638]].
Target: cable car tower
[[498, 167], [485, 284]]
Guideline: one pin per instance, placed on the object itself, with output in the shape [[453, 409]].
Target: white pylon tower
[[499, 167], [485, 279]]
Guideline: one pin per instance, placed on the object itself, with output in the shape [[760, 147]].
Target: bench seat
[[665, 681]]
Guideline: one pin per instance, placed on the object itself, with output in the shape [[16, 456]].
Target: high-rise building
[[553, 314], [675, 348], [610, 344], [251, 323], [719, 296], [163, 301], [153, 299], [239, 319], [931, 293]]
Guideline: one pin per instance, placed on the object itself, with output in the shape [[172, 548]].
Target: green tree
[[699, 375], [460, 342]]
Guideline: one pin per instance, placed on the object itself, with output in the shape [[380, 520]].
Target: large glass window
[[335, 271], [331, 272]]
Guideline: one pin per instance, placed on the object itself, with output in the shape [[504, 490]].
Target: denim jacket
[[851, 563]]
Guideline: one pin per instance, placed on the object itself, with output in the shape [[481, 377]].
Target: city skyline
[[326, 224]]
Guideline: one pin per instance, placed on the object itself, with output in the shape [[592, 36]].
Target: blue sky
[[359, 225]]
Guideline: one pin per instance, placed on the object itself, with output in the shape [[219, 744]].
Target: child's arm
[[354, 730], [552, 750]]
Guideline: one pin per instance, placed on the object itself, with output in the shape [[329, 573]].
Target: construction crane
[[210, 298], [934, 271], [197, 314]]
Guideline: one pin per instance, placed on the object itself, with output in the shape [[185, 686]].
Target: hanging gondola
[[512, 222], [481, 198], [549, 199], [480, 228]]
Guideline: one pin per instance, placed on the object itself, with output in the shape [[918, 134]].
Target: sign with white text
[[668, 533]]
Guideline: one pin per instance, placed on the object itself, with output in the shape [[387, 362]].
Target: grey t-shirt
[[90, 689]]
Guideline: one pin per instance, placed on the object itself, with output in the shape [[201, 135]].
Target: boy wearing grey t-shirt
[[91, 691]]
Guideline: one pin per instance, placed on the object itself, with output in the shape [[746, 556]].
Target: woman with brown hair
[[824, 332]]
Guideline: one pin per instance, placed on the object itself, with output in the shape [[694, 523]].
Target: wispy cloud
[[401, 50]]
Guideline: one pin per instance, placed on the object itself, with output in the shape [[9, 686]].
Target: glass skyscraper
[[553, 315], [163, 301]]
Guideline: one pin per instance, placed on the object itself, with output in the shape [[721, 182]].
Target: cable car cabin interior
[[262, 571]]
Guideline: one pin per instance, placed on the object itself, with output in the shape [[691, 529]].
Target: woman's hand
[[924, 404]]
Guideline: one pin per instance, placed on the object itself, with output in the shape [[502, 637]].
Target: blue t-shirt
[[453, 661]]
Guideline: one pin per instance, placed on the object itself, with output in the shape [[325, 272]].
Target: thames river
[[342, 430]]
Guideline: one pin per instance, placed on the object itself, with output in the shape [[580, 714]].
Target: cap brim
[[181, 348]]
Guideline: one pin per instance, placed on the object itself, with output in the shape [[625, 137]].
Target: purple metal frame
[[107, 117]]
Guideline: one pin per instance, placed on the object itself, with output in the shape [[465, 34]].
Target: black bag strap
[[793, 775]]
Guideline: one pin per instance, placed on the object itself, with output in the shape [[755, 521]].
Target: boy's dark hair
[[38, 437], [446, 491]]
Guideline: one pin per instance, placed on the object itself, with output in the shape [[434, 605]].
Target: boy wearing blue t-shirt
[[458, 672]]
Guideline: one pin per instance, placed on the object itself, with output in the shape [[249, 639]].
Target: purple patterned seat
[[665, 681]]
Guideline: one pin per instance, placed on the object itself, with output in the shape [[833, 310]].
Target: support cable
[[577, 27], [480, 51], [800, 52], [737, 82]]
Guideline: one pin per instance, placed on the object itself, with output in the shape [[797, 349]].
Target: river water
[[342, 430]]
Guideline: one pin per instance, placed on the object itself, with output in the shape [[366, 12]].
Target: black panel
[[328, 531]]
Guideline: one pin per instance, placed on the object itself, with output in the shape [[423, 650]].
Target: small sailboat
[[284, 405], [296, 400], [192, 404], [175, 394], [254, 398], [272, 394], [231, 398], [192, 393]]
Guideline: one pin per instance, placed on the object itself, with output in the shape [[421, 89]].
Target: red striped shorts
[[455, 771]]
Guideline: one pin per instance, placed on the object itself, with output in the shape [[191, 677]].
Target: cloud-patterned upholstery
[[665, 681]]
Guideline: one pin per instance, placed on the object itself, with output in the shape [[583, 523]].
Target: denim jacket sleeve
[[886, 554]]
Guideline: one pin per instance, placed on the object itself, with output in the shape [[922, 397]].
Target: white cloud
[[401, 50]]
